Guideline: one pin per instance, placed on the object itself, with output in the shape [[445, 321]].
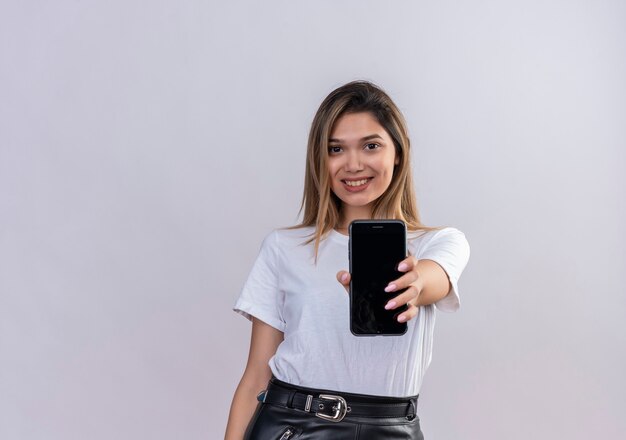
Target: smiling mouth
[[355, 183]]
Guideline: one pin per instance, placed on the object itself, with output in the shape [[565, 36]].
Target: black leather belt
[[334, 406]]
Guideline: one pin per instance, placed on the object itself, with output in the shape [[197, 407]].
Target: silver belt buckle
[[340, 408]]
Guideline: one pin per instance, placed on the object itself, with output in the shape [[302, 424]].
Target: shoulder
[[446, 232], [293, 234], [446, 237], [287, 237], [427, 235]]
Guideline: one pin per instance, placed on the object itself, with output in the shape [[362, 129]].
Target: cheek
[[388, 168], [333, 168]]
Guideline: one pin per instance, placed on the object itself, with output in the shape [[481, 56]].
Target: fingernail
[[403, 267], [401, 318], [390, 304], [344, 277], [390, 288]]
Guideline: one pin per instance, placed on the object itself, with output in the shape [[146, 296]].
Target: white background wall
[[147, 147]]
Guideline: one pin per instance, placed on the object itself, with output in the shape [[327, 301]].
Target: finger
[[411, 313], [409, 296], [407, 264], [344, 278], [404, 281]]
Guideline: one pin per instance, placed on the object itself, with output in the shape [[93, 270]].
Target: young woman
[[307, 376]]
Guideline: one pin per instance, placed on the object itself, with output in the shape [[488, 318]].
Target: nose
[[353, 162]]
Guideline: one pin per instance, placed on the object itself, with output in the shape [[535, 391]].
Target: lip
[[356, 188]]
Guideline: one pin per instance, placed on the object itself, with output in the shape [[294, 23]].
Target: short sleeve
[[260, 296], [449, 248]]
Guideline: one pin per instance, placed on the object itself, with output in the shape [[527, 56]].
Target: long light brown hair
[[322, 208]]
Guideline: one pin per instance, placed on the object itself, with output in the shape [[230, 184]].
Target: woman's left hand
[[410, 280]]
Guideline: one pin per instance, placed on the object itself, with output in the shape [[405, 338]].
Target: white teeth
[[356, 182]]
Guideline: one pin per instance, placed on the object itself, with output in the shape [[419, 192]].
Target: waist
[[334, 405]]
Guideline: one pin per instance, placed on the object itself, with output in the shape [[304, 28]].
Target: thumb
[[344, 278]]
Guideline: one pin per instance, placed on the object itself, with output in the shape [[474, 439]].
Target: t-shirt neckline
[[339, 237]]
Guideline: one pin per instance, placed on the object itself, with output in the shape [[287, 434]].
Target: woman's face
[[361, 158]]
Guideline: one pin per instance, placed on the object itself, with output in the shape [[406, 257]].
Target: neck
[[349, 213]]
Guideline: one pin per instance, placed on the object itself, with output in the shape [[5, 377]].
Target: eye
[[334, 149], [371, 146]]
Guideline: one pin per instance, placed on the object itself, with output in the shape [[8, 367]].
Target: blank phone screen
[[376, 249]]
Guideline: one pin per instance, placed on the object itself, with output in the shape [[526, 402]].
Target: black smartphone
[[376, 249]]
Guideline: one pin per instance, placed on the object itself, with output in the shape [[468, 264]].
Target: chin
[[357, 201]]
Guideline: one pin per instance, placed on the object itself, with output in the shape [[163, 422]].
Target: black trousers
[[276, 421]]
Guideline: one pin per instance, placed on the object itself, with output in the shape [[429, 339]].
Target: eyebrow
[[363, 139]]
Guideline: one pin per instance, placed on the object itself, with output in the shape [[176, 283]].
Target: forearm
[[242, 409], [434, 282], [263, 344]]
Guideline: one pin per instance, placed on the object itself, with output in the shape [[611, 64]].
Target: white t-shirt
[[286, 290]]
